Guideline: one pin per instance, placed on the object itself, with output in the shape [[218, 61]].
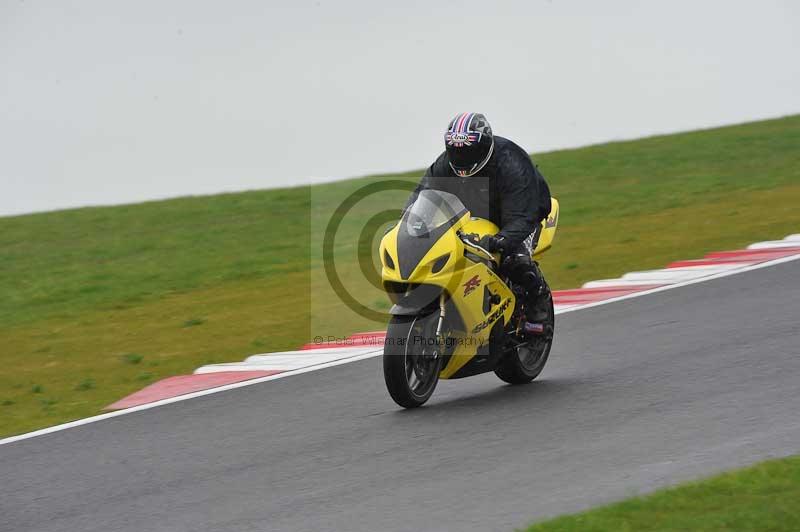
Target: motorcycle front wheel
[[412, 359]]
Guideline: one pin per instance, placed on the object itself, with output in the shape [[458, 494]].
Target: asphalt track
[[638, 394]]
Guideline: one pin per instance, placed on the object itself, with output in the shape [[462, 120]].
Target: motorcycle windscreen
[[476, 193], [431, 215]]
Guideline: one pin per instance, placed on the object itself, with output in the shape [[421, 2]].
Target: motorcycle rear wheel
[[412, 359], [525, 363]]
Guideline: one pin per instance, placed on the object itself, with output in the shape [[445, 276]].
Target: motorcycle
[[454, 313]]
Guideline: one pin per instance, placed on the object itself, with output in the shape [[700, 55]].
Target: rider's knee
[[523, 270]]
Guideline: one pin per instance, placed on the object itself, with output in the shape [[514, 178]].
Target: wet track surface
[[637, 394]]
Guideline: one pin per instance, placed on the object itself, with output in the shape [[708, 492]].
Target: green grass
[[122, 296], [765, 497]]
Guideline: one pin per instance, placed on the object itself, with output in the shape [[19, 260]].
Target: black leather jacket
[[510, 191]]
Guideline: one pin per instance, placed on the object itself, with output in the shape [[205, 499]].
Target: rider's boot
[[538, 296], [526, 272]]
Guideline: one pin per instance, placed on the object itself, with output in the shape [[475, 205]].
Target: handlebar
[[471, 243]]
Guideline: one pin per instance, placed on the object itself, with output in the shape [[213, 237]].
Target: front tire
[[412, 359], [524, 363]]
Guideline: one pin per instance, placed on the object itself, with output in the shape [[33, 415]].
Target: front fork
[[441, 316]]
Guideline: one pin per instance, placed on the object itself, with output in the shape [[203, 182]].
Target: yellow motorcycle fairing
[[466, 283], [549, 226]]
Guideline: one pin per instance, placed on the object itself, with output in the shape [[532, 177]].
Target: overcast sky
[[108, 101]]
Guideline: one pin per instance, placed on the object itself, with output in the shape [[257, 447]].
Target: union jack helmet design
[[469, 143]]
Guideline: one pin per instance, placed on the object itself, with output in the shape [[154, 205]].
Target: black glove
[[493, 243]]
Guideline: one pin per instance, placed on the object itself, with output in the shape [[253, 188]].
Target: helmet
[[469, 143]]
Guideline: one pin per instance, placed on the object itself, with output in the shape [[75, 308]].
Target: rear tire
[[523, 364], [411, 363]]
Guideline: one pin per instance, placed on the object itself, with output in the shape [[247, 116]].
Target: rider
[[496, 179]]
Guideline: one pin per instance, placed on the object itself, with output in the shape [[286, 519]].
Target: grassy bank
[[99, 302], [764, 497]]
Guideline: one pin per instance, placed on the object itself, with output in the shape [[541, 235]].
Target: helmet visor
[[468, 159], [466, 156]]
